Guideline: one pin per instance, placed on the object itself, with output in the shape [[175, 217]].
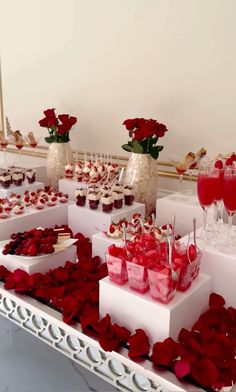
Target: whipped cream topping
[[118, 195], [17, 176], [107, 199], [5, 178], [80, 192], [69, 167], [92, 196], [30, 173]]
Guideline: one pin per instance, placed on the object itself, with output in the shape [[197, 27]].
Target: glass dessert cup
[[93, 204], [188, 271], [162, 285], [31, 176], [80, 201], [137, 277], [117, 270], [118, 203], [229, 199], [107, 207]]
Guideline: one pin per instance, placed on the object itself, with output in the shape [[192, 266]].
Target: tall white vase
[[142, 174], [59, 154]]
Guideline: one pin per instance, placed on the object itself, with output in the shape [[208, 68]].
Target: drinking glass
[[4, 144], [229, 198], [207, 183], [218, 198]]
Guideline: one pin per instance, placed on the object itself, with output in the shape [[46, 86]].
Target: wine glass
[[19, 143], [33, 141], [219, 197], [229, 199], [207, 183], [181, 163]]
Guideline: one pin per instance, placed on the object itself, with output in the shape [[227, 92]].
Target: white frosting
[[69, 167], [107, 200], [17, 209], [30, 174], [128, 192], [17, 176], [93, 196], [105, 189], [116, 234], [118, 187], [94, 173], [78, 170], [80, 192], [5, 178], [118, 196], [101, 169]]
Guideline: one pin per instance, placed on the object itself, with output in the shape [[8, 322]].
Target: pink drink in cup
[[207, 189], [138, 277]]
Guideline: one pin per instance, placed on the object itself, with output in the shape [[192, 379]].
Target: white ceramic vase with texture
[[59, 155], [142, 174]]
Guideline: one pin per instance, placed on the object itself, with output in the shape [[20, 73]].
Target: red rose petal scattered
[[204, 372], [216, 300], [181, 368], [138, 344]]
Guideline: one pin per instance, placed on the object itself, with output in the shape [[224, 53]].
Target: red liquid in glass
[[229, 193], [206, 189], [19, 146], [219, 190], [4, 145], [33, 145]]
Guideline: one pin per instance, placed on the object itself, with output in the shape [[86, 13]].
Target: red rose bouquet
[[144, 134], [58, 126]]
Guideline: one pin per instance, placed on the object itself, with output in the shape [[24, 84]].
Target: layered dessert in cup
[[69, 170], [118, 197], [80, 196], [18, 177], [107, 202], [93, 199], [30, 175], [114, 231], [79, 171], [128, 195], [5, 179]]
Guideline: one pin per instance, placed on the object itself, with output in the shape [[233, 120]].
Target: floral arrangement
[[204, 355], [58, 126], [144, 134]]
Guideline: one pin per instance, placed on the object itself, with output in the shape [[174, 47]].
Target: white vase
[[59, 155], [142, 174]]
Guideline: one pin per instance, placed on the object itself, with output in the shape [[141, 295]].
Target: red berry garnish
[[218, 164], [229, 162]]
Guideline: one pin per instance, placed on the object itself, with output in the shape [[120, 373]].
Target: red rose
[[62, 129], [130, 124], [138, 135], [51, 117], [44, 122], [160, 130], [148, 128]]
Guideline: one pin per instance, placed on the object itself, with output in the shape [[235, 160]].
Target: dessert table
[[185, 208]]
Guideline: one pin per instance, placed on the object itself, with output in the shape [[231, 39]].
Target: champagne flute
[[4, 143], [229, 199], [207, 182], [181, 163]]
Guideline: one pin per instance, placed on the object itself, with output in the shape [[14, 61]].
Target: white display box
[[20, 190], [134, 310], [38, 264], [48, 217], [69, 186], [185, 208], [222, 269], [89, 222], [100, 243]]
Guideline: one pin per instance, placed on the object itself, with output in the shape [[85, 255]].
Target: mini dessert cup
[[118, 197], [128, 195], [18, 178], [117, 270], [187, 274], [161, 283], [137, 277], [107, 202], [69, 170], [80, 196], [93, 198], [30, 175], [6, 179]]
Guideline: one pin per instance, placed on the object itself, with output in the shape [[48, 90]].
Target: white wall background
[[108, 60]]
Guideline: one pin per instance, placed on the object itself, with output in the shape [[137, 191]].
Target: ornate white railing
[[115, 368]]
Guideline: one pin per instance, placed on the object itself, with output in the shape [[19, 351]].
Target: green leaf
[[127, 147], [154, 152], [153, 140], [160, 148], [144, 144], [49, 139], [138, 149]]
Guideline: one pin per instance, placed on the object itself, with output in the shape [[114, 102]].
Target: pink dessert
[[162, 286], [117, 270], [138, 277]]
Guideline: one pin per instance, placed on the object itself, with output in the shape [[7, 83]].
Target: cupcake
[[93, 198], [107, 202], [30, 175], [118, 198], [51, 201], [5, 179], [79, 171], [69, 170], [18, 177], [128, 194], [63, 197], [14, 198], [40, 204], [18, 209], [80, 196]]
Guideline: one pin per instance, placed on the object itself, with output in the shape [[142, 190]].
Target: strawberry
[[112, 228], [32, 250], [218, 164], [229, 162]]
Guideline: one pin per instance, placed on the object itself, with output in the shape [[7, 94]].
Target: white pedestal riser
[[159, 320], [69, 187], [42, 264], [48, 217]]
